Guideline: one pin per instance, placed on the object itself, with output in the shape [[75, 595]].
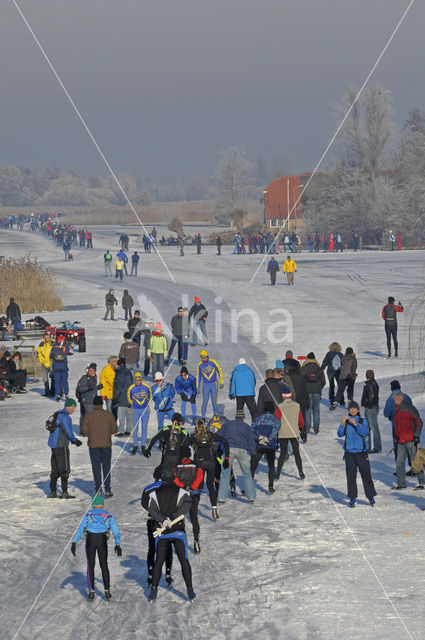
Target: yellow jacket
[[119, 265], [289, 266], [107, 377], [43, 353]]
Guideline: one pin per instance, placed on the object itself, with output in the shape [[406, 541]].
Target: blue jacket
[[163, 396], [62, 350], [62, 435], [188, 386], [123, 256], [239, 435], [327, 362], [135, 258], [242, 381], [122, 382], [98, 520], [389, 409], [356, 438], [139, 396], [266, 426]]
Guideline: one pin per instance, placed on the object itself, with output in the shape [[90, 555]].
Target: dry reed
[[32, 285]]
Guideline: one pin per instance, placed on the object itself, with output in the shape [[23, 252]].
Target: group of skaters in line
[[287, 406]]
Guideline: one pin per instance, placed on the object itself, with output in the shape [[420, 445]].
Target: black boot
[[233, 488], [46, 390], [153, 594], [90, 597], [108, 595]]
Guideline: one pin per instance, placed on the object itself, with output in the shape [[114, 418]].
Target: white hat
[[242, 361], [158, 376]]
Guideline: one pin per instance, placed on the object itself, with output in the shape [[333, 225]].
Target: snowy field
[[295, 565]]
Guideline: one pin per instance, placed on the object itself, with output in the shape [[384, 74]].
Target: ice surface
[[295, 565]]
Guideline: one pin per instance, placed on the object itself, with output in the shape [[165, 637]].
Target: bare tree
[[233, 178]]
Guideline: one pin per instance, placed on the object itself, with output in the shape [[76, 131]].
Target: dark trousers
[[101, 463], [193, 513], [273, 277], [283, 442], [182, 347], [346, 383], [334, 378], [270, 455], [208, 467], [151, 526], [360, 461], [147, 366], [128, 313], [250, 403], [219, 249], [59, 468], [161, 553], [97, 543], [391, 331]]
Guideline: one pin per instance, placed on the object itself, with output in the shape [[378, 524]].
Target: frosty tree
[[233, 178]]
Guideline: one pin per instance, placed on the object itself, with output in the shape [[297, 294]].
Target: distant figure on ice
[[272, 269], [289, 267], [391, 238], [399, 238], [389, 315]]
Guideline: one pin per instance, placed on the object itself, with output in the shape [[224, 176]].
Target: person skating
[[389, 315], [59, 357], [97, 524], [151, 525], [110, 301], [166, 504], [355, 431], [291, 427], [241, 447], [203, 443], [58, 441], [370, 400], [190, 476], [214, 425], [272, 269], [218, 244], [315, 380], [171, 438], [266, 428], [139, 396], [347, 377], [332, 364], [407, 433], [158, 349], [163, 397], [209, 376], [99, 425], [242, 387], [185, 386], [86, 390], [197, 319], [289, 267], [127, 304], [43, 355]]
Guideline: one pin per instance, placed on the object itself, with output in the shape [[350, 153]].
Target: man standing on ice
[[389, 315], [289, 267], [97, 524]]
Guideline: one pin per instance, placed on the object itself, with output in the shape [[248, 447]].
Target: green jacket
[[158, 344]]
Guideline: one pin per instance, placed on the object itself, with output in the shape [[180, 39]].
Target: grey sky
[[166, 84]]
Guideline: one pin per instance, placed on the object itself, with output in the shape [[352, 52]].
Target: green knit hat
[[97, 501], [70, 402]]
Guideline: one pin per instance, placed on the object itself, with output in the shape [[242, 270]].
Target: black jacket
[[110, 299], [127, 301], [204, 446], [370, 395], [169, 501], [86, 389], [314, 376], [270, 390], [198, 312], [301, 392], [13, 311], [180, 325], [327, 362]]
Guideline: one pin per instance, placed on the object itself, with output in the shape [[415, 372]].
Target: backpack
[[336, 363], [41, 322], [52, 422], [59, 354]]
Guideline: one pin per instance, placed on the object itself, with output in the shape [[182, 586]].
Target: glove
[[192, 398], [303, 434], [226, 463], [184, 397], [118, 550], [78, 443], [231, 397], [100, 386], [221, 385], [147, 453], [73, 548], [167, 523], [103, 398]]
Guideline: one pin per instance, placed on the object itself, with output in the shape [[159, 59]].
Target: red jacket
[[188, 474], [391, 304], [408, 424]]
